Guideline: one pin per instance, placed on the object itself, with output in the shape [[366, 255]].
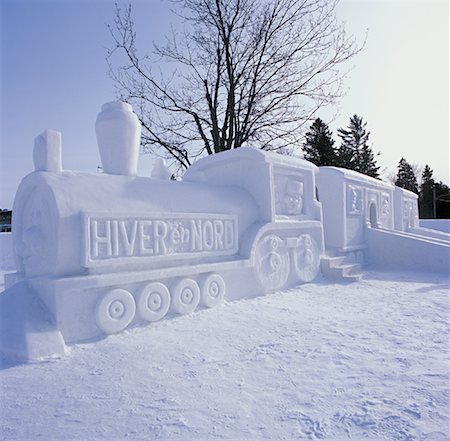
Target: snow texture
[[324, 361], [436, 224]]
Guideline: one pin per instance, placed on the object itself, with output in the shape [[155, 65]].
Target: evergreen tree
[[367, 162], [442, 194], [354, 152], [318, 146], [426, 209], [405, 176]]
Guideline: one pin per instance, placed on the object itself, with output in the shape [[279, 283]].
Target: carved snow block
[[108, 251], [47, 151], [351, 203], [406, 209], [118, 131]]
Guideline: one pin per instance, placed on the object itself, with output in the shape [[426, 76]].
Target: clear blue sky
[[53, 75]]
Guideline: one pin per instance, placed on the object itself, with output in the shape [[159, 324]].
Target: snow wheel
[[272, 262], [115, 311], [153, 302], [306, 258], [185, 296], [213, 290]]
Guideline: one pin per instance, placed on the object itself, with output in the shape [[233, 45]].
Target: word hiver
[[109, 238]]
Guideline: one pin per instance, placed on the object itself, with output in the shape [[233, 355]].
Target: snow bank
[[396, 249], [436, 224]]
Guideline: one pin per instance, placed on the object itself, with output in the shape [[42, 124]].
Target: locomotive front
[[108, 250], [74, 224]]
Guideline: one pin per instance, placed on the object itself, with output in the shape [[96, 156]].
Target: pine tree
[[318, 146], [367, 162], [426, 209], [442, 194], [405, 176], [354, 152]]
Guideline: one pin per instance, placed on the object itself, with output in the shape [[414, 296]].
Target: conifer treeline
[[434, 197], [353, 152]]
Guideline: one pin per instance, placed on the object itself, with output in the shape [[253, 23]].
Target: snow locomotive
[[105, 251]]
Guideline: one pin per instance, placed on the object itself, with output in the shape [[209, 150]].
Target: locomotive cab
[[286, 243]]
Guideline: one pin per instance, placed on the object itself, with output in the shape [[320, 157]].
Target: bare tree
[[241, 72]]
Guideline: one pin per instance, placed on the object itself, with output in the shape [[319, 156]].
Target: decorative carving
[[213, 290], [153, 301], [293, 197], [288, 195], [115, 311], [306, 258], [272, 262], [385, 205], [409, 213], [406, 208], [355, 200]]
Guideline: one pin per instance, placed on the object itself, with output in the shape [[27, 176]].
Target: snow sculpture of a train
[[105, 251], [108, 250]]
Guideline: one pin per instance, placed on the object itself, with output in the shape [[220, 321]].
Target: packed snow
[[367, 360]]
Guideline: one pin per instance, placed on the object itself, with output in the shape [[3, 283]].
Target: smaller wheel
[[153, 301], [185, 296], [115, 311], [213, 290]]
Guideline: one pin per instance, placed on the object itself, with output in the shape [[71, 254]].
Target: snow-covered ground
[[367, 360]]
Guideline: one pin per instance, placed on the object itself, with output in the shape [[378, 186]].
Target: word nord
[[112, 238]]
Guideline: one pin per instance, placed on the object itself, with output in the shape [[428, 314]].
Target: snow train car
[[106, 251]]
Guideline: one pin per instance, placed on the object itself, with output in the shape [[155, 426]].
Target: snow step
[[343, 270], [329, 262], [334, 267]]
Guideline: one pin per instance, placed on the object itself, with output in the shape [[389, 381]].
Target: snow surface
[[436, 224], [367, 360]]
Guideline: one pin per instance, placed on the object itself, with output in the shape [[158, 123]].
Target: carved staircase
[[342, 266]]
